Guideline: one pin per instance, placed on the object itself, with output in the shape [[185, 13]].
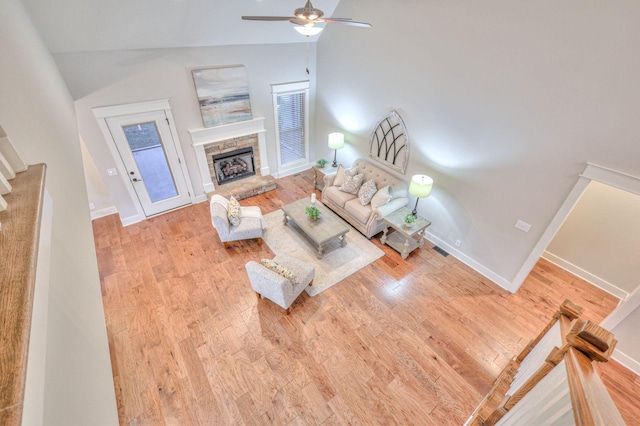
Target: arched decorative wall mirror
[[389, 142]]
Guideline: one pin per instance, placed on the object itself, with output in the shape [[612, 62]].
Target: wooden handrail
[[18, 257], [580, 344], [591, 402], [492, 407], [568, 311]]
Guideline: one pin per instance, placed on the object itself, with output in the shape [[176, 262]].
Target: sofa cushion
[[366, 192], [358, 211], [336, 196], [381, 197], [352, 181], [233, 211]]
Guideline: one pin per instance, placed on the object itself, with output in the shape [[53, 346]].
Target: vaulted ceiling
[[91, 25]]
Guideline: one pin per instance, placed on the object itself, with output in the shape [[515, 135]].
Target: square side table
[[320, 173], [403, 239]]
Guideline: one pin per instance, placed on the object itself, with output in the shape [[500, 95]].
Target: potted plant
[[312, 213], [322, 162], [408, 220]]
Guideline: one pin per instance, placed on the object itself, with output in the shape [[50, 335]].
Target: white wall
[[628, 348], [98, 79], [37, 113], [504, 102], [99, 196], [601, 236]]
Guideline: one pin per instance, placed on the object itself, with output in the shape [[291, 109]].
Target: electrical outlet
[[523, 226], [92, 206], [112, 172], [458, 243]]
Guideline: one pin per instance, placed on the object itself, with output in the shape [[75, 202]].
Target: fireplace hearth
[[234, 165]]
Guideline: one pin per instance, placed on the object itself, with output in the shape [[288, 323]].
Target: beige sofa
[[364, 218]]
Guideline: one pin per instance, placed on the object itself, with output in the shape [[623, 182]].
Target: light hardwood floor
[[415, 341]]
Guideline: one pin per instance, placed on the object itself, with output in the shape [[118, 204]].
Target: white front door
[[149, 154]]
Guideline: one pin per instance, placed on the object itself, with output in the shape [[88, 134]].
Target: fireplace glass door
[[234, 165]]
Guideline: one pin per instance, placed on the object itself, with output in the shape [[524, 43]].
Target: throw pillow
[[279, 269], [339, 179], [352, 181], [233, 211], [366, 192], [381, 197]]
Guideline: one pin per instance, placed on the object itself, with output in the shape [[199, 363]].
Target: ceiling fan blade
[[346, 22], [266, 18], [334, 19]]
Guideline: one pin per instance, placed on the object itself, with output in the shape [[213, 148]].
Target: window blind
[[291, 119]]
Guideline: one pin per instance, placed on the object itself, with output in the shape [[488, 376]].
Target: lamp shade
[[308, 31], [336, 140], [420, 186]]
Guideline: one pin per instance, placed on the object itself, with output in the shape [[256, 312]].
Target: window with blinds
[[291, 129], [291, 110]]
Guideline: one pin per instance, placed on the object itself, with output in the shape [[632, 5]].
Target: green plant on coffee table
[[313, 213], [409, 219], [322, 162]]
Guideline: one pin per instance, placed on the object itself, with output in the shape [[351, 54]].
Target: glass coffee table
[[327, 228]]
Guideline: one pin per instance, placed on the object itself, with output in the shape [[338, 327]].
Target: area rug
[[337, 263]]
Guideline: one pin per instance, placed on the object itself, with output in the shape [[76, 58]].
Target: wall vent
[[441, 251]]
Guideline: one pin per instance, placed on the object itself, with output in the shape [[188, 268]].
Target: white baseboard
[[97, 214], [292, 171], [585, 275], [200, 199], [481, 269], [626, 361], [126, 221]]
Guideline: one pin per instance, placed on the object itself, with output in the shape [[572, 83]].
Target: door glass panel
[[148, 152]]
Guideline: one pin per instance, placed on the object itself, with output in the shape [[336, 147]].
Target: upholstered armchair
[[276, 287], [250, 226]]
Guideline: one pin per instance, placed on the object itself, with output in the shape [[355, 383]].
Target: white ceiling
[[90, 25]]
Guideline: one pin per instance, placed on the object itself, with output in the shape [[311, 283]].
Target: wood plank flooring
[[415, 341]]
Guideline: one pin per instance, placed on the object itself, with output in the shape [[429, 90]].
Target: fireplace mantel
[[203, 136]]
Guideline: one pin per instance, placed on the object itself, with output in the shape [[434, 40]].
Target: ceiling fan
[[306, 17]]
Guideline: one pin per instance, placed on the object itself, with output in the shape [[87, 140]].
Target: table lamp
[[336, 141], [420, 187]]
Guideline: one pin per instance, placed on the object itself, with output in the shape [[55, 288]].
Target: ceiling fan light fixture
[[308, 30], [308, 12], [307, 16]]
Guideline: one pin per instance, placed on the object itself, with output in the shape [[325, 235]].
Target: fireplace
[[220, 141], [234, 165]]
